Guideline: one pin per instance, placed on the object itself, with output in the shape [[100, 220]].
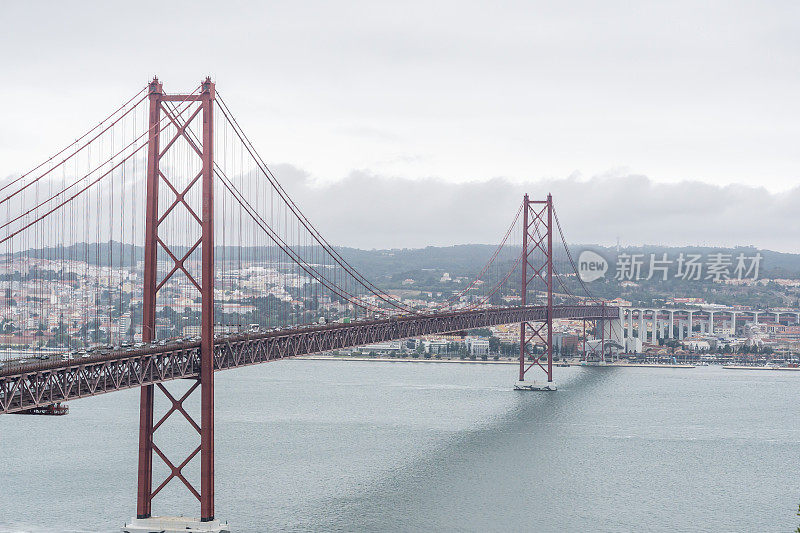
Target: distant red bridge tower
[[537, 266]]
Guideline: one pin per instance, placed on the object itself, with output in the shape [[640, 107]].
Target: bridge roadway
[[45, 383]]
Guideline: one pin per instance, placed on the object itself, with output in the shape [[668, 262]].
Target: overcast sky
[[663, 122]]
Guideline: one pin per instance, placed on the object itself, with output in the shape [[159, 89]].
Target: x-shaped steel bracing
[[179, 265]]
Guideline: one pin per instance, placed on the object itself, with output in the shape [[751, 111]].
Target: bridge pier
[[175, 524], [542, 386]]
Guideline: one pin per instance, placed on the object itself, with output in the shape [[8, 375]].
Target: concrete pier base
[[174, 524], [535, 386]]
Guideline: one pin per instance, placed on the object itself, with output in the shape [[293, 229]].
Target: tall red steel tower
[[173, 116], [537, 265]]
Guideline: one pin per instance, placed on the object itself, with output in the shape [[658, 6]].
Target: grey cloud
[[373, 211], [370, 210]]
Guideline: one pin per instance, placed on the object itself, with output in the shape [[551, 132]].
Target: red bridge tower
[[171, 118], [537, 266]]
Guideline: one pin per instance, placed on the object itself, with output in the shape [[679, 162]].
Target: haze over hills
[[422, 269], [459, 260], [395, 268], [466, 258]]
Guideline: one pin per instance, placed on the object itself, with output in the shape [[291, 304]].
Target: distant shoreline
[[744, 367], [516, 362], [406, 360], [477, 362]]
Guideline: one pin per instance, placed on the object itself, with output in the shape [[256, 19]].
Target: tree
[[510, 349], [462, 351], [672, 344], [494, 344]]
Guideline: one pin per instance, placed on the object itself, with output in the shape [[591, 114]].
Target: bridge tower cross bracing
[[537, 266], [198, 106]]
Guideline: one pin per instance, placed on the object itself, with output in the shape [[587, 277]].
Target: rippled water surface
[[359, 446]]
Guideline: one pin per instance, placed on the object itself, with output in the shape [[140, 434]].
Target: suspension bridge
[[159, 246]]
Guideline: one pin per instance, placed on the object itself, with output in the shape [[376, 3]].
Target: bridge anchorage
[[76, 215]]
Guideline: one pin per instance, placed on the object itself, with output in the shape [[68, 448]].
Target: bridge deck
[[45, 383]]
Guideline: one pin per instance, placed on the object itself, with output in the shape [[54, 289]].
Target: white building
[[435, 346], [697, 344], [477, 345], [391, 346]]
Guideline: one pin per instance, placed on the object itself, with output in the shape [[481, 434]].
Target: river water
[[368, 446]]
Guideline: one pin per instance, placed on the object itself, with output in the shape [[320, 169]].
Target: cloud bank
[[368, 210]]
